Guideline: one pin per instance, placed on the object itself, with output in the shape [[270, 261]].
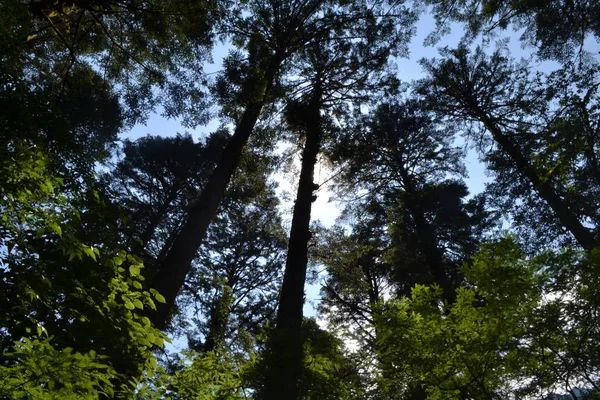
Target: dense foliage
[[113, 247]]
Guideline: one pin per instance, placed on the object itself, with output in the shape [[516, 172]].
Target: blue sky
[[408, 70]]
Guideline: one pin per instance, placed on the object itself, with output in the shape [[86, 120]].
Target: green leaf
[[134, 270], [138, 304], [56, 228], [90, 252], [160, 298]]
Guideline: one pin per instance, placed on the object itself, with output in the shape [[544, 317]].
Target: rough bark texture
[[287, 344], [177, 263], [544, 188]]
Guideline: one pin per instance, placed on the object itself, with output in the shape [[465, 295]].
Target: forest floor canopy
[[112, 247]]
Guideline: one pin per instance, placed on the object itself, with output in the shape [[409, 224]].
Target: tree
[[267, 50], [495, 340], [236, 278], [71, 296], [359, 278], [402, 159], [334, 71], [153, 51], [234, 284], [517, 111], [155, 182], [435, 307], [271, 34], [410, 222]]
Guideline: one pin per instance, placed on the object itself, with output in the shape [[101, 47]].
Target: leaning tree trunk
[[177, 263], [286, 356], [543, 187]]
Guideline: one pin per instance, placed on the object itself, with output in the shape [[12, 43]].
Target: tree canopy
[[174, 265]]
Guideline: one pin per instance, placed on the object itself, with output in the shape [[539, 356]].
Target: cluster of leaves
[[41, 371], [514, 330], [203, 376], [60, 286]]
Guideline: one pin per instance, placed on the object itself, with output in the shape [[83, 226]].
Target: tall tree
[[359, 278], [236, 271], [523, 120], [288, 344], [410, 221], [236, 278], [331, 74], [270, 34], [155, 181], [402, 159]]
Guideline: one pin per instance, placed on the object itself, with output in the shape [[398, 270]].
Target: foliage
[[420, 297], [327, 374], [42, 372], [237, 275], [200, 376], [153, 51], [540, 127], [497, 339], [61, 285], [559, 29], [154, 182]]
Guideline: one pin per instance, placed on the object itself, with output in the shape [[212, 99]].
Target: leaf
[[129, 305], [134, 270], [56, 228], [90, 252], [160, 298], [138, 304]]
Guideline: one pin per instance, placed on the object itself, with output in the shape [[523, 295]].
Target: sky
[[409, 69], [323, 210]]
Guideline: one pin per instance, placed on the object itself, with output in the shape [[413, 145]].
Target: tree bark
[[177, 263], [544, 188], [287, 344]]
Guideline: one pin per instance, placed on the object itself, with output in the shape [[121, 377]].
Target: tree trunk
[[177, 263], [218, 319], [427, 239], [544, 188], [287, 344]]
